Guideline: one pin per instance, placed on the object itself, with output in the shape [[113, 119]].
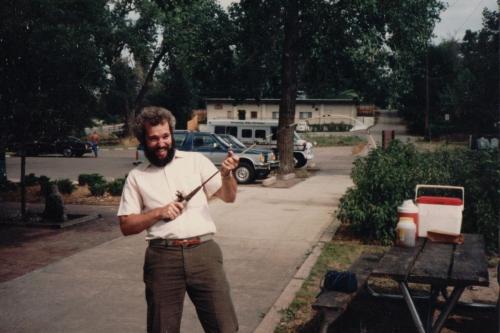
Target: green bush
[[98, 189], [8, 186], [90, 178], [45, 184], [30, 180], [65, 186], [116, 186], [387, 177]]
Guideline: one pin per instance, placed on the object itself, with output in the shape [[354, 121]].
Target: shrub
[[65, 186], [45, 184], [386, 177], [116, 186], [98, 189], [30, 180], [90, 178], [8, 186]]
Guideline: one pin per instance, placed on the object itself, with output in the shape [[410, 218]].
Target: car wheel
[[300, 160], [244, 173], [67, 152]]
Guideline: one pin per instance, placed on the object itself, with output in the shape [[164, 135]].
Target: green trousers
[[170, 272]]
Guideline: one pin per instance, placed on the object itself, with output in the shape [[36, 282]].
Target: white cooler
[[439, 213]]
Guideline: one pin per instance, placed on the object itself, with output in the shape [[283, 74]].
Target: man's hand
[[171, 211], [229, 164]]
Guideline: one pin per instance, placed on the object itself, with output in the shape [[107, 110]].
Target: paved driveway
[[265, 237]]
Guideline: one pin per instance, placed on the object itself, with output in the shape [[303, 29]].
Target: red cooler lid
[[440, 201]]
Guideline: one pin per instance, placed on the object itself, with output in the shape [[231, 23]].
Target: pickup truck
[[254, 164]]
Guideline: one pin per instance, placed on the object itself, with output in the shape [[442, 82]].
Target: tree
[[366, 46], [51, 67], [289, 87], [176, 39], [463, 80]]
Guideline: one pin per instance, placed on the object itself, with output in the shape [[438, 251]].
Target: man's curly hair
[[152, 115]]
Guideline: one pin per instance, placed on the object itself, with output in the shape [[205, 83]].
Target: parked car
[[254, 164], [263, 133], [67, 146], [234, 143]]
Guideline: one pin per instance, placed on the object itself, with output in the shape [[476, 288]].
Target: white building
[[314, 109]]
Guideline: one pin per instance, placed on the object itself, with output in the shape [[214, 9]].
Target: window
[[230, 114], [276, 115], [253, 114], [274, 132], [203, 142], [220, 130], [218, 106], [260, 134], [233, 130], [246, 133], [179, 139], [305, 115], [242, 114]]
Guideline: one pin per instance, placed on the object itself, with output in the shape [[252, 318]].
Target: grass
[[333, 140], [336, 255]]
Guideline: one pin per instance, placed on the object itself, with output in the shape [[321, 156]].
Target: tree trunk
[[288, 88], [144, 89], [23, 185], [3, 167]]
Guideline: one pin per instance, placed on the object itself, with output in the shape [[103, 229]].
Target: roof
[[277, 101]]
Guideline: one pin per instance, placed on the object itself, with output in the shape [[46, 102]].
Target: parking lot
[[113, 163]]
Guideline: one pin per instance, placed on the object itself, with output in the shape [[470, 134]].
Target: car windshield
[[234, 141], [222, 142]]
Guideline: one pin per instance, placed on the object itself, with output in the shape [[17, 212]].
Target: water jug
[[405, 232], [409, 209]]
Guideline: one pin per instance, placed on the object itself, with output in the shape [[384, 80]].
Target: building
[[313, 110]]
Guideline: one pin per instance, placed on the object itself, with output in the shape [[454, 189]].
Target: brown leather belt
[[182, 242]]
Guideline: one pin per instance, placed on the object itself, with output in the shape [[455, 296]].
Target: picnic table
[[438, 265]]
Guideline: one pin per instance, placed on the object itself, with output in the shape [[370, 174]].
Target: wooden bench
[[331, 304]]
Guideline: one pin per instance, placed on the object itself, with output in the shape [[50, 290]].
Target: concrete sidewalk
[[265, 237]]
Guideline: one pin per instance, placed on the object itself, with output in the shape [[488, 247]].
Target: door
[[210, 147]]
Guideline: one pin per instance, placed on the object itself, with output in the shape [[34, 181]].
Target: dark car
[[67, 146]]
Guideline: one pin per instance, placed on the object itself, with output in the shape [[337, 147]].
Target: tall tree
[[463, 84], [51, 64], [288, 87]]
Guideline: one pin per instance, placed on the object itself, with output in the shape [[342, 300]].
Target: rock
[[54, 206]]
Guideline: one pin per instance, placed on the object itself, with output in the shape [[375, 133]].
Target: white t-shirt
[[149, 187]]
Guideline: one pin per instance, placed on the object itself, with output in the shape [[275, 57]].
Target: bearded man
[[181, 255]]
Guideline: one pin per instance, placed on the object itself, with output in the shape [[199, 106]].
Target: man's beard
[[155, 160]]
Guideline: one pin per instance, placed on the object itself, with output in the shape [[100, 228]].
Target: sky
[[459, 16]]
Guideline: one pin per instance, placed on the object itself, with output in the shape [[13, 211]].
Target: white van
[[261, 132]]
